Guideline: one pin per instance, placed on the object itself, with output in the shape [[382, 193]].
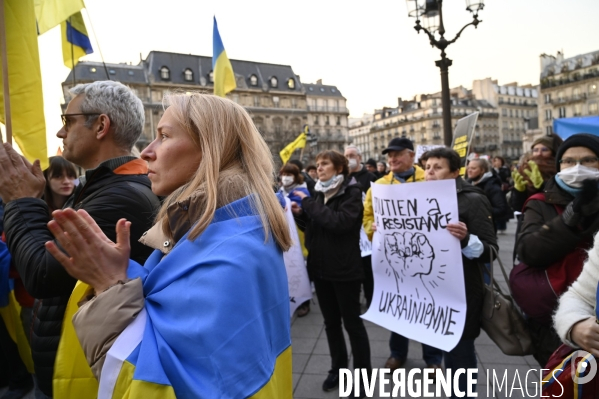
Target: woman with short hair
[[332, 220]]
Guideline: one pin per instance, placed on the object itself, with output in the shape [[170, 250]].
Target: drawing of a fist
[[409, 254]]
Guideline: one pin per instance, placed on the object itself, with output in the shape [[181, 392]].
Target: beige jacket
[[102, 318]]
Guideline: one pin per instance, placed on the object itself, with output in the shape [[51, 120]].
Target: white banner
[[417, 264], [365, 244], [297, 275]]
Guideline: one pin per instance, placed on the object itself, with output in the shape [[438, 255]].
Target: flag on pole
[[75, 40], [224, 77], [51, 13], [25, 81], [299, 142]]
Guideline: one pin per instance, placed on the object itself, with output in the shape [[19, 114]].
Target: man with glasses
[[400, 156], [101, 124]]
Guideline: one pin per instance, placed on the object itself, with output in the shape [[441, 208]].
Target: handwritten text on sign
[[417, 264]]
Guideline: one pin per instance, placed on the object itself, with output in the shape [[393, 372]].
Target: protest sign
[[421, 149], [365, 244], [297, 275], [462, 138], [417, 264]]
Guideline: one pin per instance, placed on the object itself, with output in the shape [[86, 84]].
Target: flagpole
[[3, 53], [72, 52]]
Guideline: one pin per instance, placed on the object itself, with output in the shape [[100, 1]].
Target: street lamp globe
[[474, 6], [415, 8]]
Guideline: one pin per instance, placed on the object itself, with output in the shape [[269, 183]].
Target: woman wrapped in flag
[[207, 316]]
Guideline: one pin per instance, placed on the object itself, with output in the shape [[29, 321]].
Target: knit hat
[[371, 162], [586, 140], [552, 142]]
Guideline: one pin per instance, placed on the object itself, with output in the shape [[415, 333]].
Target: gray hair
[[353, 147], [125, 109]]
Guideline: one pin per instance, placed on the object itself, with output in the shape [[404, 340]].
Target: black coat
[[107, 197], [333, 233], [364, 178], [492, 188], [475, 211], [544, 237]]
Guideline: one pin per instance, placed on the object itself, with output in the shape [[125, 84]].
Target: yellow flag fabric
[[73, 378], [51, 13], [224, 77], [25, 81], [11, 315], [299, 142]]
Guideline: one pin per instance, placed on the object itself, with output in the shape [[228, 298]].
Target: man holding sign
[[476, 233], [400, 155]]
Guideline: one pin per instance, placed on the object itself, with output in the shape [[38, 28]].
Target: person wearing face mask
[[562, 224], [291, 180]]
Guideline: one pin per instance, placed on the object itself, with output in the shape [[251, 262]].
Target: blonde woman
[[208, 314]]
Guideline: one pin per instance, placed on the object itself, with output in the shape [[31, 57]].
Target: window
[[548, 115], [293, 102], [165, 73], [504, 112], [593, 108], [256, 101], [188, 75], [130, 73], [577, 109], [112, 71], [548, 130], [211, 77], [547, 98], [326, 120], [592, 88], [339, 121], [562, 112], [274, 82], [560, 95], [253, 80], [511, 114], [291, 84], [92, 70]]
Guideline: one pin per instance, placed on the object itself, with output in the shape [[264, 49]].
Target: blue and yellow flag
[[25, 81], [75, 41], [215, 322], [224, 77]]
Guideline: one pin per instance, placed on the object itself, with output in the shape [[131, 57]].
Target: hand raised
[[92, 257], [18, 177]]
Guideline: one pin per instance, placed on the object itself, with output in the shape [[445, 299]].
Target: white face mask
[[287, 180], [353, 163], [575, 175]]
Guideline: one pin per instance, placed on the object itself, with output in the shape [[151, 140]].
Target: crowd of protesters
[[198, 211]]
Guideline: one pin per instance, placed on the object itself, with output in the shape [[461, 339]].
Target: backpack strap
[[541, 197]]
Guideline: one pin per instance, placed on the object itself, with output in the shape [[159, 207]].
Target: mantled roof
[[321, 90]]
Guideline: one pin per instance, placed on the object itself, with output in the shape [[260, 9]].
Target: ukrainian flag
[[224, 77], [299, 142], [75, 40], [215, 322]]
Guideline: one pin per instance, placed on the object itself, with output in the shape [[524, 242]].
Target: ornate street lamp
[[432, 13]]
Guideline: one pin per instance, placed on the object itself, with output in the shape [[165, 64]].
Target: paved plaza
[[311, 361]]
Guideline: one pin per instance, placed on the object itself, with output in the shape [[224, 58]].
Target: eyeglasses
[[586, 161], [66, 121]]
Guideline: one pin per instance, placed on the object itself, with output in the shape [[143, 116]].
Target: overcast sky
[[368, 49]]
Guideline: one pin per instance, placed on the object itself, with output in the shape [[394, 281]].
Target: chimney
[[319, 82]]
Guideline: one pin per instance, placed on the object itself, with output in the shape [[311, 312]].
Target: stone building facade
[[504, 114], [279, 103], [569, 87]]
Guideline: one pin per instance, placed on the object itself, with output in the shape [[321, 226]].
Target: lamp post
[[432, 11]]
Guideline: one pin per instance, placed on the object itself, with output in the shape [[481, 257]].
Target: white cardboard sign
[[417, 264], [297, 275]]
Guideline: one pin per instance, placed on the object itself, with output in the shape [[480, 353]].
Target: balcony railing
[[325, 108]]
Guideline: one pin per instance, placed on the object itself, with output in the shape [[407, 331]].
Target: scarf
[[333, 182]]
